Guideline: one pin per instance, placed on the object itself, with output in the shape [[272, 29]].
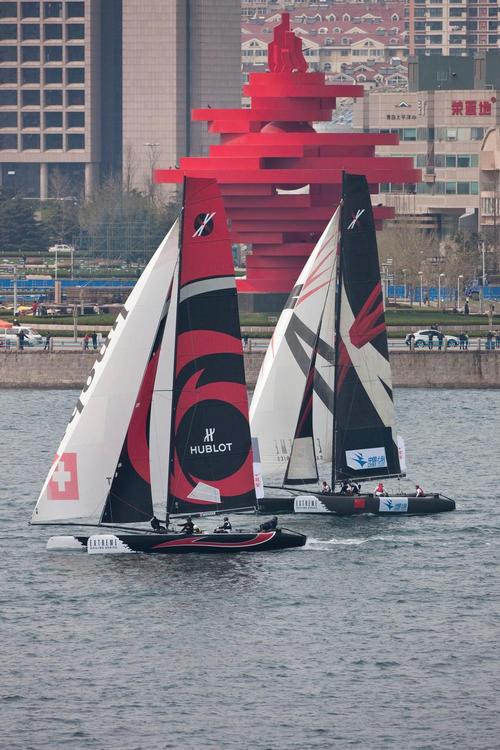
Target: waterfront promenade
[[418, 369]]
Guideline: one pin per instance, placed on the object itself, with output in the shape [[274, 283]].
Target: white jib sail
[[161, 408], [78, 482], [278, 394]]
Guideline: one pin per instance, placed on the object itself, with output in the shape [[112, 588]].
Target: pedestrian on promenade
[[411, 341], [86, 340], [440, 338], [46, 348], [431, 340], [94, 339], [497, 339], [466, 307], [466, 341], [21, 339]]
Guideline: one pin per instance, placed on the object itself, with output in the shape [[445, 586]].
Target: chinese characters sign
[[469, 107]]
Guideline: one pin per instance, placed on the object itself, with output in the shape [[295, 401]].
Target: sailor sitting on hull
[[188, 526], [224, 527], [419, 491], [155, 523], [325, 488], [269, 525]]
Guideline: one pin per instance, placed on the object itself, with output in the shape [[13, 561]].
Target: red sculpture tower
[[271, 149]]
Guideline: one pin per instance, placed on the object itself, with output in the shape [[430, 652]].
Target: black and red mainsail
[[364, 441], [211, 463]]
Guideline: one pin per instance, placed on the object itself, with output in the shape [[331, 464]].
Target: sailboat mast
[[336, 340], [175, 303]]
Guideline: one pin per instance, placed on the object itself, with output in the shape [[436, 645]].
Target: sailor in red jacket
[[379, 489], [419, 491]]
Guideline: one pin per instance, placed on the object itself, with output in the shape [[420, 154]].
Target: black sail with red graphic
[[365, 445], [211, 462], [130, 499]]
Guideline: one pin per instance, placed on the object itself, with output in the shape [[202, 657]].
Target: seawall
[[471, 369]]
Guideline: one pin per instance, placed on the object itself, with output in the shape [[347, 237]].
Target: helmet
[[226, 518]]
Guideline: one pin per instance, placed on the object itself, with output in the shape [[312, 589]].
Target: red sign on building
[[470, 107]]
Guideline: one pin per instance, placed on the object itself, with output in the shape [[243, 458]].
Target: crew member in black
[[269, 525], [155, 523], [345, 489], [226, 526], [188, 527]]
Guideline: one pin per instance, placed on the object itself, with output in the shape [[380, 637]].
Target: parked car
[[422, 338], [31, 337]]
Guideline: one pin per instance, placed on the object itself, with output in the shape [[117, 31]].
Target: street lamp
[[439, 289], [460, 276], [421, 274]]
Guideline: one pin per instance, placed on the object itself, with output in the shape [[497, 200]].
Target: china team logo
[[63, 483]]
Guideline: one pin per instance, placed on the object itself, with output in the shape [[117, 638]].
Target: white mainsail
[[278, 394], [78, 482]]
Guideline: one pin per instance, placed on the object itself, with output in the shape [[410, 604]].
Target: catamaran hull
[[165, 544], [343, 505]]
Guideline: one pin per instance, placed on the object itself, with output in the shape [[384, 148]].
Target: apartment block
[[452, 27], [95, 87]]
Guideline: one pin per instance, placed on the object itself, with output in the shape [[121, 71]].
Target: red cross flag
[[63, 484]]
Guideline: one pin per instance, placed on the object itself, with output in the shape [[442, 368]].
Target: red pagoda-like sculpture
[[271, 149]]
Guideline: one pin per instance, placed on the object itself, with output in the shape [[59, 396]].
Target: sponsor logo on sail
[[204, 224], [209, 444], [354, 223], [367, 458]]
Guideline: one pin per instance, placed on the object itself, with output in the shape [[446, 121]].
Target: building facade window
[[53, 119], [8, 75], [30, 76], [30, 54], [77, 54], [8, 54], [8, 31], [30, 31], [8, 119], [52, 75], [8, 10], [75, 120], [53, 142], [52, 10], [53, 98], [53, 31], [30, 142], [75, 142], [30, 10], [8, 142], [77, 31], [75, 75], [52, 54], [75, 10], [8, 98], [30, 98], [76, 98], [30, 119]]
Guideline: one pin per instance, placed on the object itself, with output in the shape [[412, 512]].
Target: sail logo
[[209, 445], [209, 435], [63, 483], [367, 458], [204, 224], [356, 218]]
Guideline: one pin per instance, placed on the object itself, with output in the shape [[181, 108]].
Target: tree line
[[113, 222]]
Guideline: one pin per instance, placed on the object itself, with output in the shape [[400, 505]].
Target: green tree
[[19, 228]]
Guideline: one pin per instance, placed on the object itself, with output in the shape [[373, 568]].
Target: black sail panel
[[364, 440], [211, 459]]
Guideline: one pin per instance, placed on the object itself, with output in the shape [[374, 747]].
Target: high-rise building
[[452, 27], [95, 87]]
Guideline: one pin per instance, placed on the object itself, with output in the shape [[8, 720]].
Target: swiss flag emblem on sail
[[63, 484]]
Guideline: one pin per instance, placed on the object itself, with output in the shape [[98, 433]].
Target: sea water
[[381, 633]]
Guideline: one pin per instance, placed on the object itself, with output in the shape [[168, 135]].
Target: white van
[[31, 337]]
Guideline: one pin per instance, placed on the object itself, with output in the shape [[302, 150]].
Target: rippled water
[[381, 633]]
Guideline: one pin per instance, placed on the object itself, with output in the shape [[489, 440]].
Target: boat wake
[[328, 544]]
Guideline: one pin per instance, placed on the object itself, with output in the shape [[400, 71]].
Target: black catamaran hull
[[164, 544], [343, 505]]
